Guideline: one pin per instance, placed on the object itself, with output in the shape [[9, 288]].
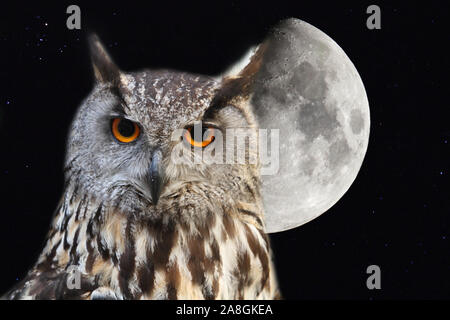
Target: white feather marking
[[237, 67]]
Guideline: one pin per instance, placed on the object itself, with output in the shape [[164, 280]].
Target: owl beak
[[156, 176]]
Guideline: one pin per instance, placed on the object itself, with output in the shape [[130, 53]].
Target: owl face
[[141, 136]]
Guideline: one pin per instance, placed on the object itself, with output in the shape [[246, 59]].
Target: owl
[[143, 214]]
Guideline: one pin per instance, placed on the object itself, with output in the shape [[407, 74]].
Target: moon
[[309, 89]]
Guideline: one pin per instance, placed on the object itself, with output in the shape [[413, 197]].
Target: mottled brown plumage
[[203, 239]]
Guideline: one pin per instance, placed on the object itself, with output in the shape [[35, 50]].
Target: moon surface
[[309, 89]]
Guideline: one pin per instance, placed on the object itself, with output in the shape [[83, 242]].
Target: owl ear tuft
[[238, 81], [105, 70]]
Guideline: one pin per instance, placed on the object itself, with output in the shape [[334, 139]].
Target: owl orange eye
[[124, 130], [207, 136]]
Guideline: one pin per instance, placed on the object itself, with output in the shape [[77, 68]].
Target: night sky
[[395, 215]]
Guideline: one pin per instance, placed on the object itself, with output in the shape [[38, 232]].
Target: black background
[[395, 215]]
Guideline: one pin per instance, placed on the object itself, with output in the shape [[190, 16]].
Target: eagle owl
[[134, 223]]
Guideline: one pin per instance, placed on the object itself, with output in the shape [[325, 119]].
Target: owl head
[[141, 136]]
